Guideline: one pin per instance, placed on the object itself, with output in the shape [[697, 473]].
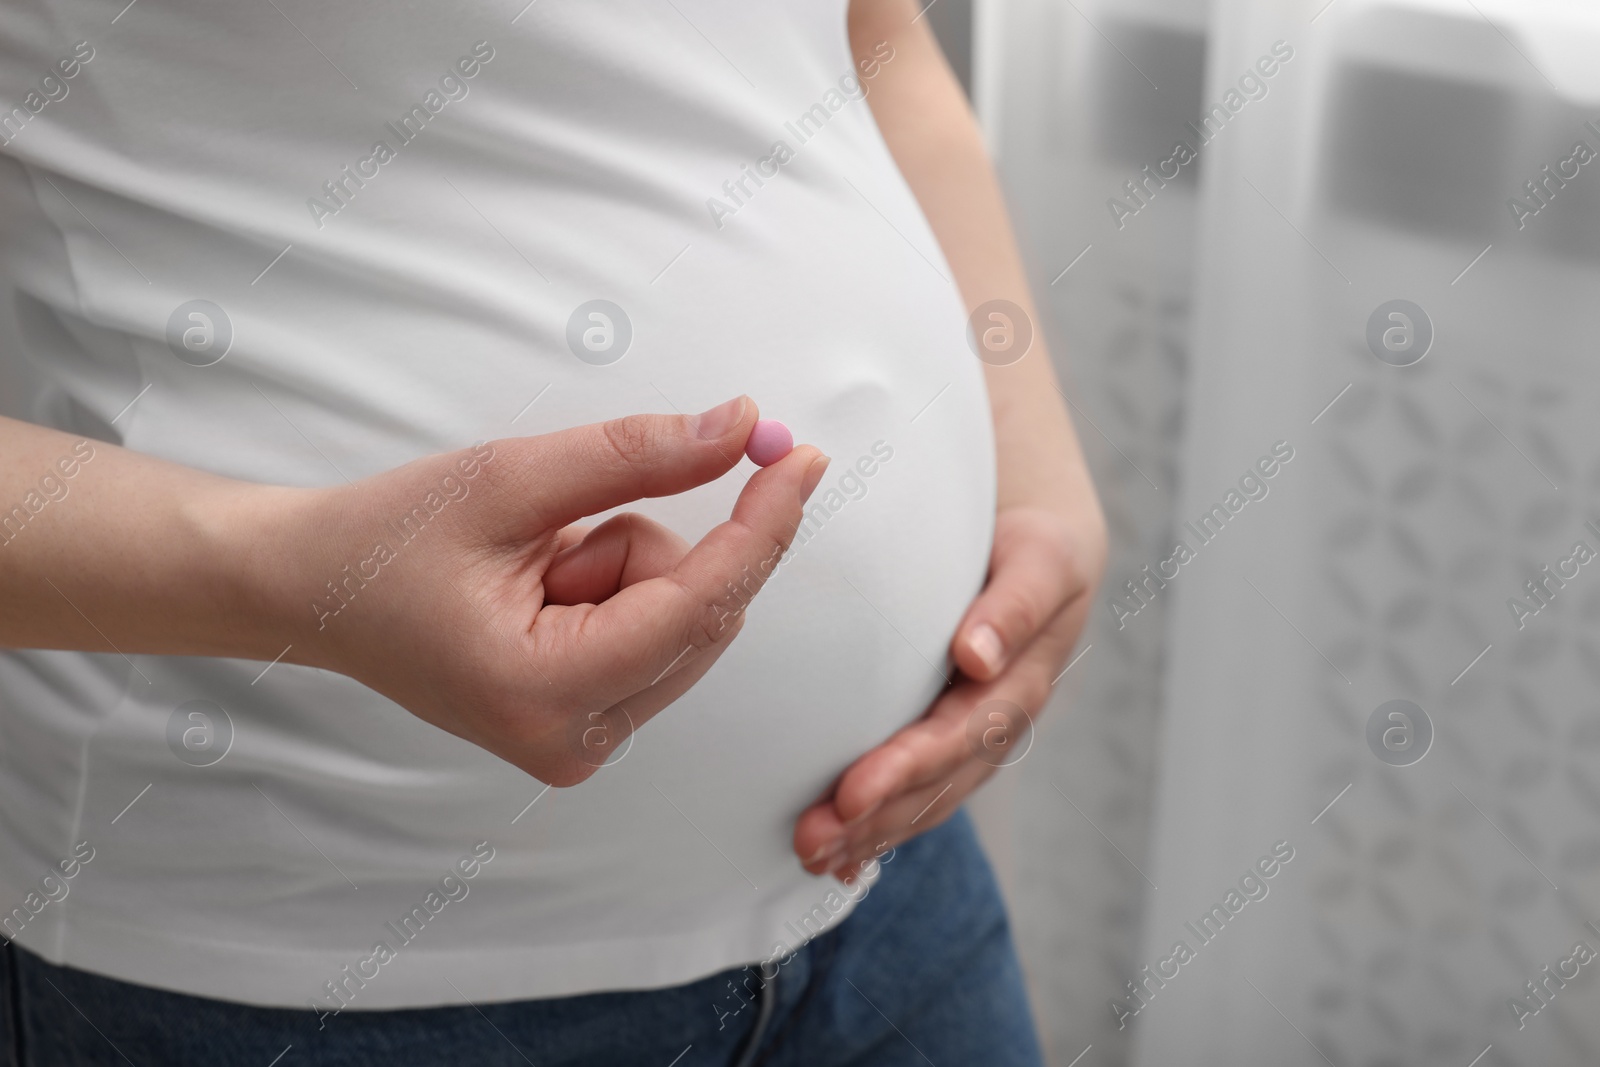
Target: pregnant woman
[[383, 687]]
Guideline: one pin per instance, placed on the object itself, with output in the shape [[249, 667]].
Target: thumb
[[1032, 576], [572, 474]]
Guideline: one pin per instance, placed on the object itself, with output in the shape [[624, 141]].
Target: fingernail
[[864, 816], [829, 852], [808, 484], [985, 642], [719, 420]]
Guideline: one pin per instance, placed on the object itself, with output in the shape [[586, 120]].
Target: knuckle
[[713, 623], [1083, 554], [631, 439], [717, 620], [1058, 550], [636, 526], [553, 751], [1073, 549], [597, 736], [775, 549], [515, 727], [1074, 565], [563, 774], [702, 626], [1021, 614], [709, 624]]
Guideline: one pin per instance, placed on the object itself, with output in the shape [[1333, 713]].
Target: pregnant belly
[[847, 643], [693, 822]]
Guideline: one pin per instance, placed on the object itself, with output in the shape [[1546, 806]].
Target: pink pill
[[769, 442]]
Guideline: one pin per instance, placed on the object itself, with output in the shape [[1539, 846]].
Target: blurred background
[[1378, 254]]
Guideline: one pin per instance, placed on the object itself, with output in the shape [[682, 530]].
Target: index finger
[[571, 474]]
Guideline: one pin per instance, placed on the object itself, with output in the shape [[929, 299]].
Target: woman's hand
[[1011, 646], [457, 586]]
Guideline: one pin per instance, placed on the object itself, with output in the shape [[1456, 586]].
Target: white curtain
[[1215, 321]]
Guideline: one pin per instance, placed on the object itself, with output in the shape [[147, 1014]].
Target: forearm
[[934, 139], [104, 549]]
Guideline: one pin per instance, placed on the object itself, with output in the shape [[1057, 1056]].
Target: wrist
[[266, 541]]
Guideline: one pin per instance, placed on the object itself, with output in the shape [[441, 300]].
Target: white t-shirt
[[395, 214]]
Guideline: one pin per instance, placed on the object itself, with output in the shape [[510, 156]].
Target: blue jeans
[[922, 972]]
